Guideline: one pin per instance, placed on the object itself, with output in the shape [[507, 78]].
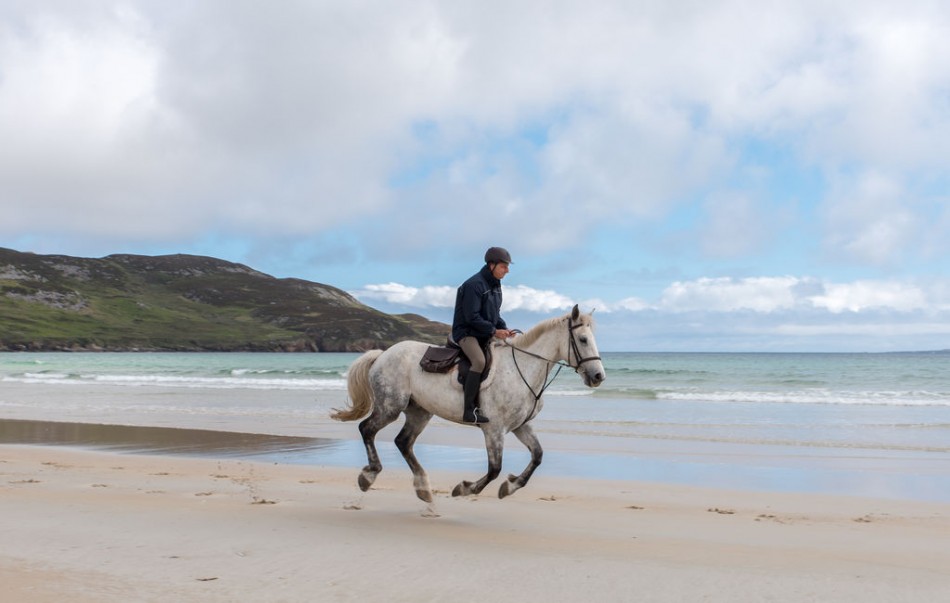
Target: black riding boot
[[472, 382]]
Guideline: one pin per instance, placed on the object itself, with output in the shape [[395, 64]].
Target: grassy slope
[[181, 302]]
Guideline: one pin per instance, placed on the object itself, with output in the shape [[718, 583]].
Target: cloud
[[140, 124], [516, 298], [156, 123], [520, 297], [785, 313], [779, 294], [71, 92], [630, 304], [414, 297], [760, 294], [864, 295], [870, 219]]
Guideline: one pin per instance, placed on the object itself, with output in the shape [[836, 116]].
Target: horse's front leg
[[494, 445], [416, 421], [515, 482]]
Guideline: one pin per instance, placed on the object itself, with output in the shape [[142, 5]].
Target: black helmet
[[497, 254]]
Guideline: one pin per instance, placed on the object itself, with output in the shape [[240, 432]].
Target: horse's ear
[[575, 312]]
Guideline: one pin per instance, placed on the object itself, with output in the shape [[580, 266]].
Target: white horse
[[384, 384]]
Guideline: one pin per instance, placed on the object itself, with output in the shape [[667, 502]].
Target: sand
[[83, 526]]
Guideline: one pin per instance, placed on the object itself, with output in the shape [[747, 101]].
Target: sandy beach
[[144, 491], [97, 526]]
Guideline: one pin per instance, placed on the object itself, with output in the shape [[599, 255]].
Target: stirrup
[[479, 420]]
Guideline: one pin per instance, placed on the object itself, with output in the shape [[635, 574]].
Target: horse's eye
[[583, 340]]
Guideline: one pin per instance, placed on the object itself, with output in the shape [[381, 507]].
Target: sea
[[875, 424]]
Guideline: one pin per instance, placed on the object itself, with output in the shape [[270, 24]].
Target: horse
[[384, 384]]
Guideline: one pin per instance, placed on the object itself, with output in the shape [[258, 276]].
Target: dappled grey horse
[[385, 384]]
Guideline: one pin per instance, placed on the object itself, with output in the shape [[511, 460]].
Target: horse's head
[[582, 353]]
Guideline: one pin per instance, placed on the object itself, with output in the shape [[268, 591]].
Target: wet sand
[[154, 440], [734, 466]]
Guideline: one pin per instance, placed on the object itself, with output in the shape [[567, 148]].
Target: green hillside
[[182, 302]]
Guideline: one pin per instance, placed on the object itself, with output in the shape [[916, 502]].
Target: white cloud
[[782, 294], [864, 295], [520, 297], [630, 304], [516, 298], [761, 294], [749, 314], [870, 219], [69, 100], [414, 297], [399, 128]]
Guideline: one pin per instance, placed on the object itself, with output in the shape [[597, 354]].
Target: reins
[[560, 364]]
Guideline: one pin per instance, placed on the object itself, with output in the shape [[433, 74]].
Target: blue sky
[[710, 176]]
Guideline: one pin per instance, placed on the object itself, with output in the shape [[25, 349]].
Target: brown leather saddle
[[442, 359]]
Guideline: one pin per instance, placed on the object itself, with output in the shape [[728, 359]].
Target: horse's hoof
[[509, 487], [366, 480], [463, 489], [421, 485]]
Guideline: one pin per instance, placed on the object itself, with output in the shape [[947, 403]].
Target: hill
[[182, 303]]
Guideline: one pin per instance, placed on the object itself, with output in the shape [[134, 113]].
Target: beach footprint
[[430, 511]]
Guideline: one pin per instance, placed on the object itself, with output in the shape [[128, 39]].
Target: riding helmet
[[497, 254]]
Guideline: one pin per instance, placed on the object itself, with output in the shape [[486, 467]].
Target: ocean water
[[789, 417]]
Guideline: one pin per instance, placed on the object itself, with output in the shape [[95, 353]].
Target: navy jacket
[[478, 307]]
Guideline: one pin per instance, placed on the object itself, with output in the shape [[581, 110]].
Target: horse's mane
[[544, 326]]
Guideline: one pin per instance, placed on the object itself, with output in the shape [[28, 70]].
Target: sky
[[705, 175]]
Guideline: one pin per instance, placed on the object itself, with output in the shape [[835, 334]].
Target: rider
[[478, 319]]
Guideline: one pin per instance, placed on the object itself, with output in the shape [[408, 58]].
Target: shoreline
[[576, 444], [87, 524], [750, 468]]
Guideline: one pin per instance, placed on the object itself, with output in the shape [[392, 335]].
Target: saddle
[[442, 359]]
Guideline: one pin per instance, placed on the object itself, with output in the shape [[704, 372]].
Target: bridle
[[577, 351], [572, 347]]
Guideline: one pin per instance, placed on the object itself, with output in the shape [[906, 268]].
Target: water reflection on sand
[[846, 472]]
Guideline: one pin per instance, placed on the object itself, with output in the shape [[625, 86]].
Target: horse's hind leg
[[416, 420], [494, 445], [515, 482], [381, 416]]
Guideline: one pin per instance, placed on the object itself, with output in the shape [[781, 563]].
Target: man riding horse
[[382, 385], [478, 319]]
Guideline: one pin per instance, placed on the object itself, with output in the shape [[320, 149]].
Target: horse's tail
[[357, 384]]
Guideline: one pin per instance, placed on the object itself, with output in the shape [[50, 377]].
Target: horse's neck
[[547, 347]]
